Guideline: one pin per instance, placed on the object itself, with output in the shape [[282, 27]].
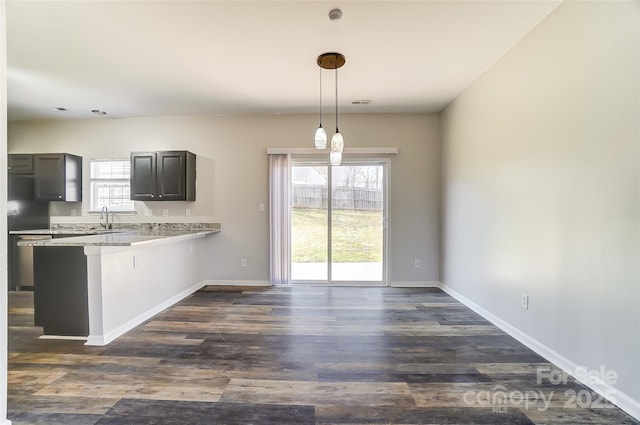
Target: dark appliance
[[23, 213]]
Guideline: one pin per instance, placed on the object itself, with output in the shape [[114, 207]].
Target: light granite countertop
[[123, 238], [44, 232], [128, 235]]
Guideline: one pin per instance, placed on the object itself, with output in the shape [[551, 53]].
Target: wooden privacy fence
[[344, 198]]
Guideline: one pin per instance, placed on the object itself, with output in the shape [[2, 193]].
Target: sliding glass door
[[357, 222], [309, 222], [338, 216]]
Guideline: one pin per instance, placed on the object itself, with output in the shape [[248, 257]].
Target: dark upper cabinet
[[20, 163], [143, 176], [58, 177], [176, 176], [163, 176]]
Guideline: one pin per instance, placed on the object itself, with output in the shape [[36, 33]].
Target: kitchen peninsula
[[97, 287]]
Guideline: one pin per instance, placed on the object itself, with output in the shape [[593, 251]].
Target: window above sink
[[110, 185]]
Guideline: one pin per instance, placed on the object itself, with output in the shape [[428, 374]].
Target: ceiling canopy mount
[[331, 60]]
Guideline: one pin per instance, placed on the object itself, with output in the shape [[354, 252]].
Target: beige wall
[[232, 176], [542, 171]]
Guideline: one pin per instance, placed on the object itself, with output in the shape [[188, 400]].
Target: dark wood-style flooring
[[293, 356]]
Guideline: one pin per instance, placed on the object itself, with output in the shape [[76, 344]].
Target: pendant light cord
[[336, 68], [320, 96]]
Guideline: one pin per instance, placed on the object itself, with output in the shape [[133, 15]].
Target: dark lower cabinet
[[60, 295], [163, 176]]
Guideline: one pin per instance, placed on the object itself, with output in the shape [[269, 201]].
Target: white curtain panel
[[279, 201]]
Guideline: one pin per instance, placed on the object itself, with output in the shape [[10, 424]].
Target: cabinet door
[[172, 169], [19, 163], [143, 176], [50, 177]]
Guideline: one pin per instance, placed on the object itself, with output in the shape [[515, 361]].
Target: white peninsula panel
[[129, 284]]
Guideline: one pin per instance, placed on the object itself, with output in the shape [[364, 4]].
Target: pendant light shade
[[333, 61], [321, 135], [335, 158], [337, 146], [321, 138]]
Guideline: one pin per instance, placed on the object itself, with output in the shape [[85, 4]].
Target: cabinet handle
[[152, 196], [59, 196], [159, 196]]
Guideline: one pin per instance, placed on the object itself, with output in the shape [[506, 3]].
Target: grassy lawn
[[357, 236]]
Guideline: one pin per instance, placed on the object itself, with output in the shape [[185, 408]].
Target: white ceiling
[[146, 58]]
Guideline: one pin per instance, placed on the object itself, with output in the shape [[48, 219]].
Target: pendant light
[[334, 61], [321, 135], [337, 142]]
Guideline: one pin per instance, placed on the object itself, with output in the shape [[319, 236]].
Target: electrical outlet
[[187, 212], [165, 212], [524, 301], [261, 207], [243, 262], [416, 263]]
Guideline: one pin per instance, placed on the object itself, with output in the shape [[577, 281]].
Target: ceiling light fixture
[[335, 15], [333, 60]]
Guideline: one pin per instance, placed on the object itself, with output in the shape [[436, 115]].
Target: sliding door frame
[[385, 162]]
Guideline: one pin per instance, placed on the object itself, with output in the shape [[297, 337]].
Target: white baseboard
[[628, 404], [416, 284], [126, 327], [236, 283], [5, 422], [622, 400], [401, 284]]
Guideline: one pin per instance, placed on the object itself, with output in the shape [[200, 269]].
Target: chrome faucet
[[104, 213]]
